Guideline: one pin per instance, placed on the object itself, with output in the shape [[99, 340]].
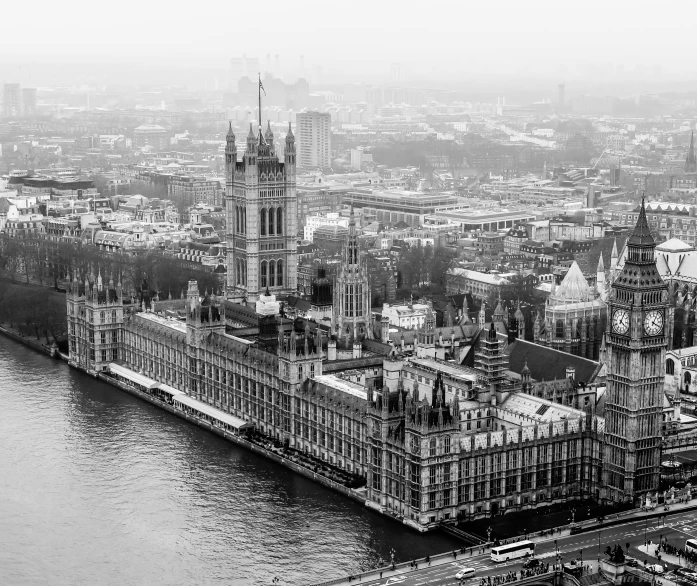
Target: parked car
[[655, 568], [531, 563]]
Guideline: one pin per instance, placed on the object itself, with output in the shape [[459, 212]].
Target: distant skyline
[[437, 42]]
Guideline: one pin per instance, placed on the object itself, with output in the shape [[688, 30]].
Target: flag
[[261, 87]]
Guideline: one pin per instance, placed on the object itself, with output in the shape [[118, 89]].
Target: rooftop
[[538, 408], [342, 385]]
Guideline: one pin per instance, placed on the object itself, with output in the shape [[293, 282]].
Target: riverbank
[[37, 345], [354, 494]]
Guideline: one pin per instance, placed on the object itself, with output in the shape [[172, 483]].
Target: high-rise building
[[238, 70], [636, 353], [314, 140], [261, 208], [29, 101], [11, 104], [560, 98], [690, 160]]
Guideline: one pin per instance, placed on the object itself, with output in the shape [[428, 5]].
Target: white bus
[[691, 546], [521, 549]]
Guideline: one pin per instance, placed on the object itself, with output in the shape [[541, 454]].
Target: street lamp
[[581, 552], [598, 550]]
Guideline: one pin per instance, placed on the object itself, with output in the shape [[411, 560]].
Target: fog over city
[[455, 43]]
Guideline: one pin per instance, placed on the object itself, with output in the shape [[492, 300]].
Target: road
[[677, 528]]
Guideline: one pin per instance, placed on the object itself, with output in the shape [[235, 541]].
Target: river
[[98, 487]]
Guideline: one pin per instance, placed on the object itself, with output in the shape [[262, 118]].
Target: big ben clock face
[[620, 321], [653, 323]]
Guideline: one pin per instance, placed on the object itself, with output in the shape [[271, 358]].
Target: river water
[[98, 487]]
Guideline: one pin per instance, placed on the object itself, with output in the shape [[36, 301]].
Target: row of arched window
[[271, 221], [271, 273]]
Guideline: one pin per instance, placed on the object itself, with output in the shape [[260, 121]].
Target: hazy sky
[[358, 39]]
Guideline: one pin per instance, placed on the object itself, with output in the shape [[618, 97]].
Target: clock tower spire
[[636, 344]]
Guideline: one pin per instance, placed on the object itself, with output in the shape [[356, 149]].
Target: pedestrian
[[381, 575]]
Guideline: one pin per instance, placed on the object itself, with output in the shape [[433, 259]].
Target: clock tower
[[636, 347]]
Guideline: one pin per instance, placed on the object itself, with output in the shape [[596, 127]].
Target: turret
[[526, 379], [614, 257], [289, 153], [385, 329], [268, 136], [250, 155]]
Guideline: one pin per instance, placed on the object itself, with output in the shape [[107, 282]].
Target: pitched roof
[[549, 364], [674, 245]]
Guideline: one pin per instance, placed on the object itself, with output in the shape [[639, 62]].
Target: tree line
[[44, 262], [34, 311]]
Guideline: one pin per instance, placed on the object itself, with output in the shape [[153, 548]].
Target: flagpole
[[259, 103]]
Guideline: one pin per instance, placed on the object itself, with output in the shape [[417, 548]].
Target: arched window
[[279, 221], [688, 380], [670, 366], [272, 273], [239, 272], [279, 273], [262, 222], [237, 219], [560, 328], [272, 215], [432, 447], [446, 445], [263, 274]]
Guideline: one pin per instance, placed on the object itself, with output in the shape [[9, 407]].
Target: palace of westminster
[[463, 420]]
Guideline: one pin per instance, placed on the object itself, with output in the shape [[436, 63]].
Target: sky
[[357, 40]]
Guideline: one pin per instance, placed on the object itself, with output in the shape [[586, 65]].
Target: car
[[531, 563], [655, 568], [465, 573], [685, 573], [689, 399], [631, 562]]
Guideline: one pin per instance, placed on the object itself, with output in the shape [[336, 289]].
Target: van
[[465, 573]]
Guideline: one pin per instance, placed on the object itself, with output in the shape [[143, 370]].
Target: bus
[[691, 546], [521, 549]]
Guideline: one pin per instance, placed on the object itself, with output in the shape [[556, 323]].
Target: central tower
[[261, 212], [636, 347]]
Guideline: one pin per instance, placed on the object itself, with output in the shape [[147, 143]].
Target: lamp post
[[598, 550], [581, 552]]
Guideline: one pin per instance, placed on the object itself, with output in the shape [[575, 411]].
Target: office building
[[11, 104], [29, 101], [314, 140]]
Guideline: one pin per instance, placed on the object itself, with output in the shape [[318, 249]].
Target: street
[[588, 546]]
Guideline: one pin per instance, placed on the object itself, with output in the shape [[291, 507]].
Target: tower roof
[[601, 264], [268, 134], [574, 287], [290, 136], [230, 134], [642, 233]]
